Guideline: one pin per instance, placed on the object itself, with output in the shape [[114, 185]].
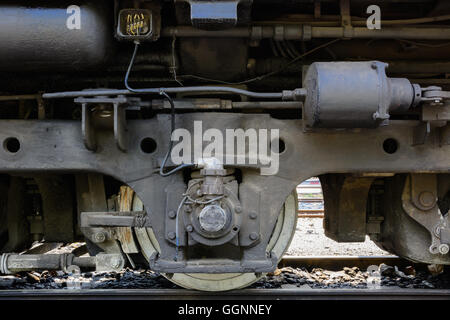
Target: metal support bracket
[[119, 105], [435, 116], [419, 200], [214, 15], [346, 19]]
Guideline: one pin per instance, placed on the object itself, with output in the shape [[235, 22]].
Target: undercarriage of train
[[97, 97]]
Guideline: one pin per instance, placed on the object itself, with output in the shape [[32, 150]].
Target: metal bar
[[114, 219], [199, 89]]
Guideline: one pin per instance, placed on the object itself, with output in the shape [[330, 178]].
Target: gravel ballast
[[310, 240]]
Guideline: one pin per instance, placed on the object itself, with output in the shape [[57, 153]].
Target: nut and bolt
[[253, 215], [172, 214], [253, 236], [171, 235], [189, 228], [444, 248], [427, 199], [99, 237]]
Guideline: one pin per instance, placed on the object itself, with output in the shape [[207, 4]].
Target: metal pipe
[[198, 89], [220, 104], [296, 105], [305, 32], [12, 263], [385, 33]]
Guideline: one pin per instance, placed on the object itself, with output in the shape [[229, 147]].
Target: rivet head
[[253, 215], [253, 236], [189, 228], [171, 235], [238, 209], [172, 214]]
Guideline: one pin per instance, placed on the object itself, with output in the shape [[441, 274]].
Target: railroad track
[[287, 293], [310, 187], [339, 262]]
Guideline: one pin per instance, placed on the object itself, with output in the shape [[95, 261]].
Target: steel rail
[[339, 262], [287, 293]]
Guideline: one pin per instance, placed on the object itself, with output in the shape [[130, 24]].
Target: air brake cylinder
[[354, 95]]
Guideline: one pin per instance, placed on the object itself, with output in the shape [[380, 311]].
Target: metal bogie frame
[[57, 147]]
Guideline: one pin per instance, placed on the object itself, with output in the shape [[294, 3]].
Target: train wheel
[[279, 243]]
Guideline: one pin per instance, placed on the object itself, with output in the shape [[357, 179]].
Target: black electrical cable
[[130, 66], [172, 129], [272, 95], [200, 89], [172, 117]]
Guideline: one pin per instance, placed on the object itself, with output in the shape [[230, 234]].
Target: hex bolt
[[253, 215], [189, 228], [238, 209], [99, 237], [253, 236], [427, 199], [171, 235], [444, 248], [172, 214]]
